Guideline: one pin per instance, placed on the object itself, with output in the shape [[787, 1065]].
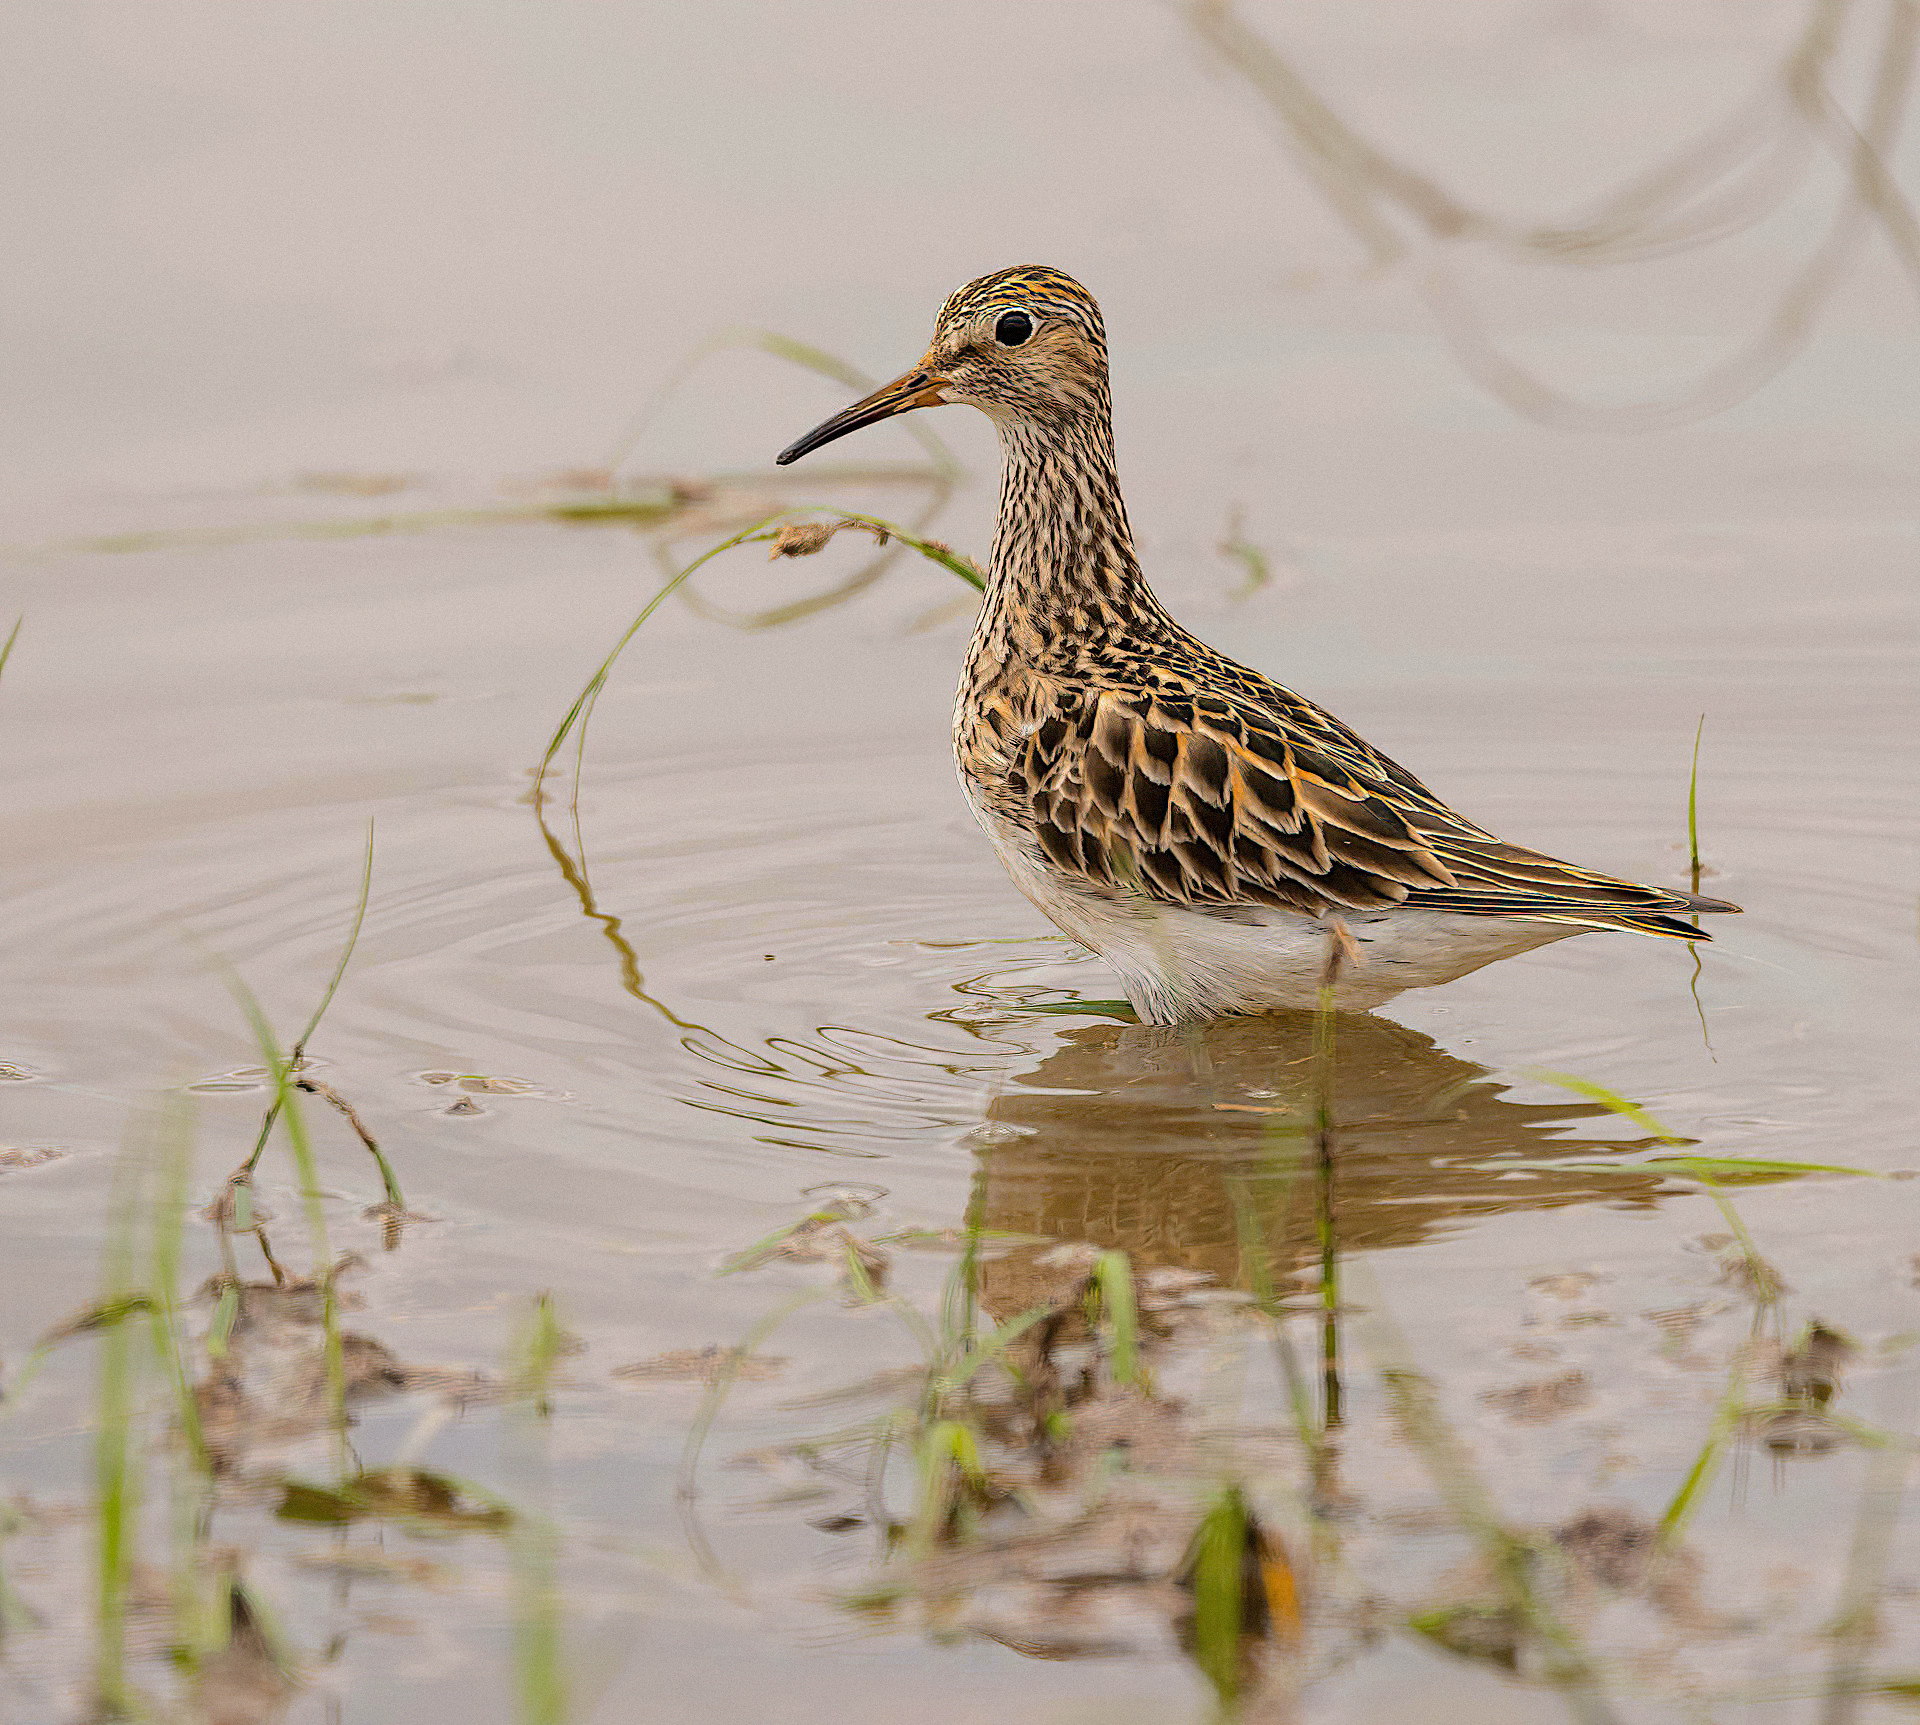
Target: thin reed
[[1693, 809], [539, 1655]]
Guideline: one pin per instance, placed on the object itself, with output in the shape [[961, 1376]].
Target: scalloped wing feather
[[1211, 803]]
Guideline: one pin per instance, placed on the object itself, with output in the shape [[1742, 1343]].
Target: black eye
[[1013, 328]]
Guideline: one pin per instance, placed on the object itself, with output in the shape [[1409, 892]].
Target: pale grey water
[[461, 245]]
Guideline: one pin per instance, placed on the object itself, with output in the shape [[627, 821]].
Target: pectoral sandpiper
[[1199, 826]]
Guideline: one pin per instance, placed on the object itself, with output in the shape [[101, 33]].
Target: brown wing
[[1211, 803], [1200, 802]]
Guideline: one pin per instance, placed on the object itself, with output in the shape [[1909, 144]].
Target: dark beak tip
[[899, 396], [801, 446]]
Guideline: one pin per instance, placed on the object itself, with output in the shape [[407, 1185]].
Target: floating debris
[[1810, 1370], [485, 1084], [472, 1085], [242, 1080], [401, 1494], [706, 1365], [823, 1236], [1543, 1400]]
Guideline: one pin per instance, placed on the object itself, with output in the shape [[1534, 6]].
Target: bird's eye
[[1013, 328]]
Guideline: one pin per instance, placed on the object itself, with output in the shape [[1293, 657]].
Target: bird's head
[[1024, 345]]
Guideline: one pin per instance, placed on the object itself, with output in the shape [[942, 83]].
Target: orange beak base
[[916, 388]]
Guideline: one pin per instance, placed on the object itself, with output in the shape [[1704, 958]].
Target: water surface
[[291, 265]]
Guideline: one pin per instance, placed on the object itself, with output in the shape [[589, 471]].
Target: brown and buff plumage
[[1195, 822]]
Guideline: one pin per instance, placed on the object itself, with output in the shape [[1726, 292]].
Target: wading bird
[[1212, 835]]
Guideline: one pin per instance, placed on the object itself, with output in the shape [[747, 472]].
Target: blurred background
[[469, 241]]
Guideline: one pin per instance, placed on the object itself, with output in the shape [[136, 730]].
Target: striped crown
[[1025, 287]]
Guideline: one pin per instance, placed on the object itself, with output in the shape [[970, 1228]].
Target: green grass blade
[[346, 952], [1340, 949], [191, 1486], [1218, 1573], [163, 1278], [16, 1616], [768, 1245], [1113, 1281], [300, 1047], [861, 1286], [287, 1107], [578, 716], [687, 1483], [949, 1461], [533, 1547], [989, 1349], [220, 1327], [1727, 1417], [1609, 1099], [582, 707], [1695, 1167], [116, 1451], [1257, 1269], [1693, 805], [931, 549], [1122, 1009]]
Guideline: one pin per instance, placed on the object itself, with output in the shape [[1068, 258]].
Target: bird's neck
[[1063, 570]]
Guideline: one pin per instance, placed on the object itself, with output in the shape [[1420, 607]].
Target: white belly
[[1178, 964]]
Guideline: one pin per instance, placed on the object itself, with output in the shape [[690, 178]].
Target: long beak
[[917, 388]]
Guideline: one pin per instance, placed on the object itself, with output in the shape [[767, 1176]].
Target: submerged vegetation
[[1101, 1445], [1087, 1457], [238, 1399]]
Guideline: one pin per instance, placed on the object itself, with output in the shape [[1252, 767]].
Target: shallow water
[[295, 265]]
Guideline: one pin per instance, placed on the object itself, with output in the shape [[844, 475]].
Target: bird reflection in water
[[1200, 1148]]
